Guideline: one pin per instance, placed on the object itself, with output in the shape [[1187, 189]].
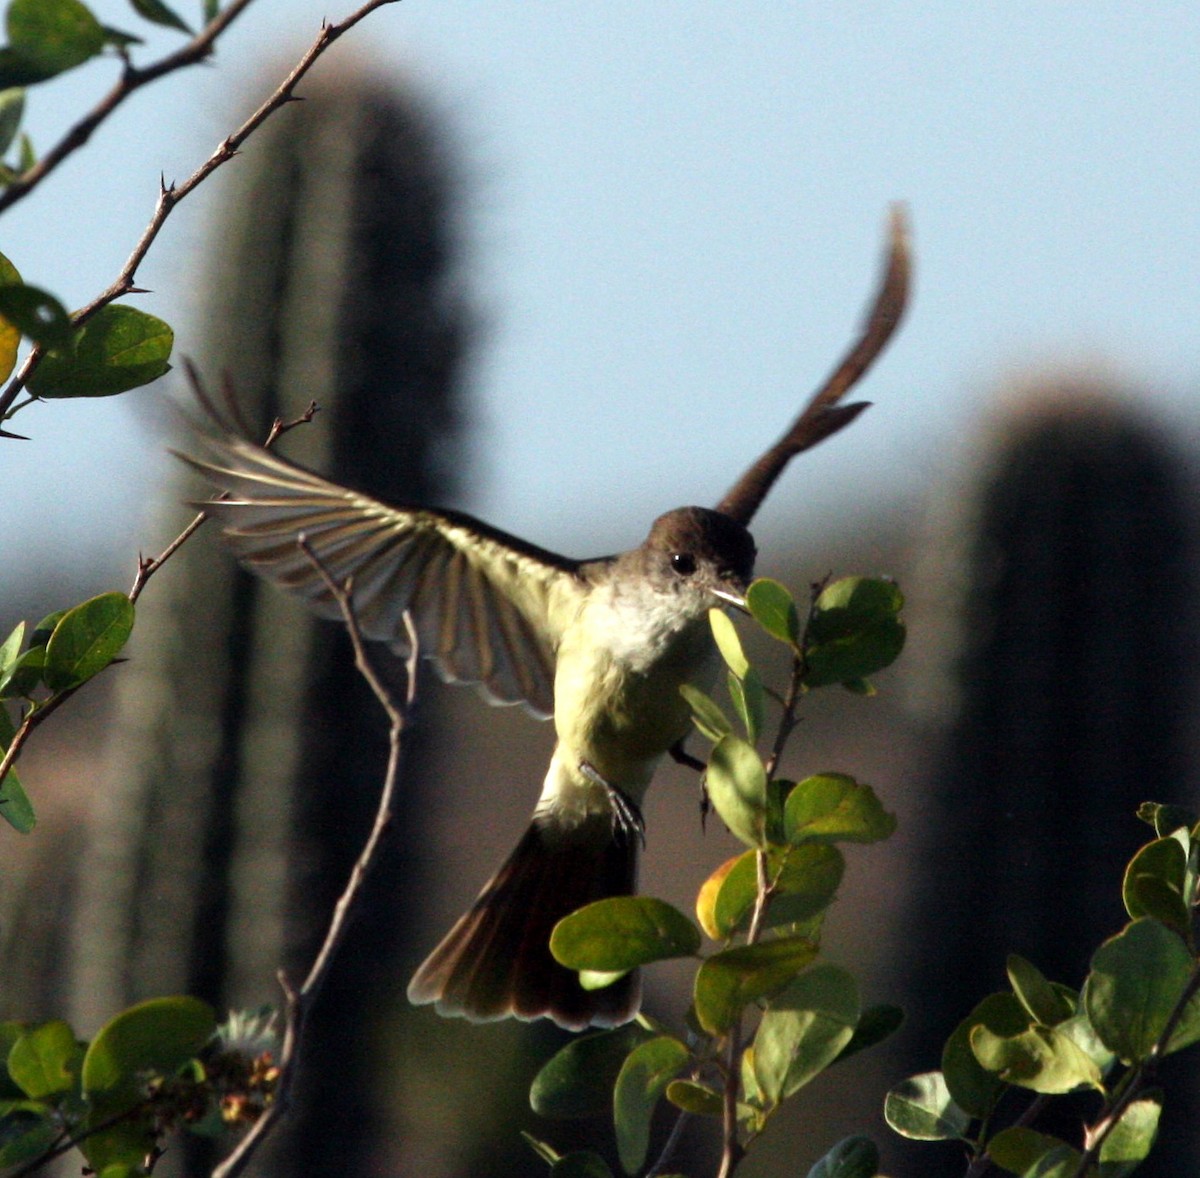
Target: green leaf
[[160, 14], [117, 349], [973, 1088], [1154, 884], [579, 1079], [852, 1157], [12, 110], [45, 1060], [1061, 1162], [24, 677], [15, 807], [728, 643], [28, 1129], [10, 333], [805, 880], [774, 609], [1138, 977], [1017, 1149], [10, 1032], [621, 933], [45, 628], [729, 981], [1132, 1138], [647, 1071], [11, 647], [805, 1029], [698, 1099], [87, 639], [210, 8], [581, 1163], [1044, 1003], [47, 37], [833, 807], [1041, 1059], [1166, 819], [153, 1038], [36, 313], [855, 630], [921, 1108], [706, 713], [876, 1024], [737, 787], [749, 701]]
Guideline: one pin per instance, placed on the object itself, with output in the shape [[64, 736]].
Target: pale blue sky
[[676, 212]]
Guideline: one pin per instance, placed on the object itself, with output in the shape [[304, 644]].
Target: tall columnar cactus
[[1074, 607], [247, 753]]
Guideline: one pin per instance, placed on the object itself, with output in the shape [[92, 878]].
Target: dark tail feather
[[496, 960]]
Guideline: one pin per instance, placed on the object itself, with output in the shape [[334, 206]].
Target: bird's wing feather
[[483, 602]]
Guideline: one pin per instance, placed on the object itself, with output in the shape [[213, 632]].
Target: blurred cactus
[[1071, 592], [248, 754]]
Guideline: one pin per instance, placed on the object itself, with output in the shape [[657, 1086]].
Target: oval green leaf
[[749, 701], [47, 37], [1018, 1149], [578, 1081], [972, 1087], [772, 606], [621, 933], [87, 639], [833, 807], [805, 1029], [155, 1037], [1040, 1059], [117, 349], [35, 313], [805, 879], [921, 1108], [698, 1099], [15, 807], [706, 713], [1132, 1138], [644, 1077], [1154, 884], [1044, 1003], [737, 787], [728, 643], [729, 981], [45, 1060], [855, 631], [1138, 978]]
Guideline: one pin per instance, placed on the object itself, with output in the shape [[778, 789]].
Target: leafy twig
[[171, 194], [299, 1002]]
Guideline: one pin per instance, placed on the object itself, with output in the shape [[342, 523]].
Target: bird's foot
[[627, 814]]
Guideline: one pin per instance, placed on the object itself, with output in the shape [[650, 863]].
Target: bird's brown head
[[701, 547]]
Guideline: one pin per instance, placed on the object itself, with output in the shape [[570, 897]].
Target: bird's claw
[[627, 817]]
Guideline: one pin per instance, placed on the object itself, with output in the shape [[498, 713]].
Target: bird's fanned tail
[[496, 962]]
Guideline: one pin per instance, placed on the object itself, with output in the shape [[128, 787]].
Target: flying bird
[[602, 645]]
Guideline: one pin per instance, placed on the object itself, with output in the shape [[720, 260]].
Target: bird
[[602, 645]]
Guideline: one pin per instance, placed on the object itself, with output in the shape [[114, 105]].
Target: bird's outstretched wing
[[824, 414], [483, 602]]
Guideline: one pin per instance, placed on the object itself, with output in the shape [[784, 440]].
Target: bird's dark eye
[[684, 563]]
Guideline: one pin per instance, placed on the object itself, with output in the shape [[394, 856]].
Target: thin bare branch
[[171, 194], [823, 416], [299, 1002]]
